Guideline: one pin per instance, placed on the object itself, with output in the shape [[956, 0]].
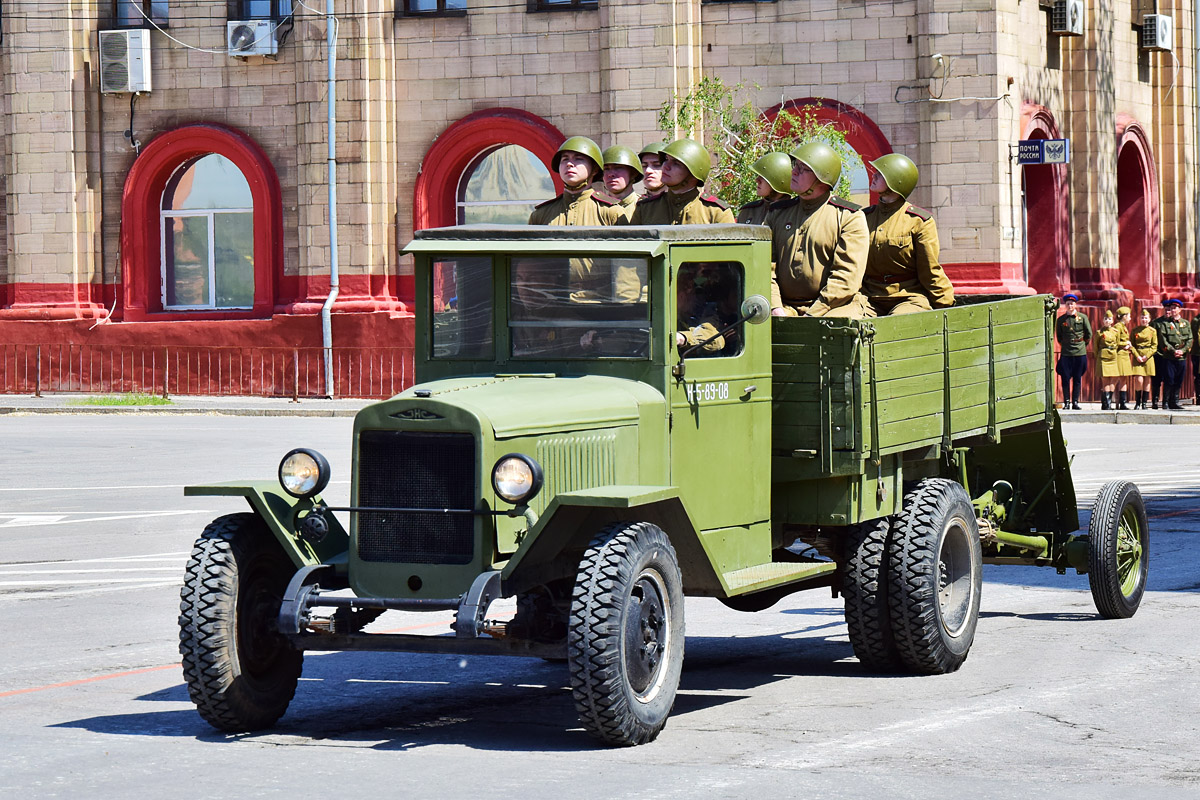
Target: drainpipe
[[326, 321]]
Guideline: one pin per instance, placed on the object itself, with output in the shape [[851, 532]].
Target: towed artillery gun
[[559, 447]]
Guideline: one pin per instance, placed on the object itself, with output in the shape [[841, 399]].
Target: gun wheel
[[240, 671], [864, 585], [935, 576], [625, 634], [1118, 556]]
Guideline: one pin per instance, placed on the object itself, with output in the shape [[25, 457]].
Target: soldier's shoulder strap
[[786, 203], [546, 203], [919, 213], [838, 202], [650, 198], [714, 200], [869, 209], [605, 199]]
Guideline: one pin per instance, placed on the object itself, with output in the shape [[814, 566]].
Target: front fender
[[279, 510], [553, 547]]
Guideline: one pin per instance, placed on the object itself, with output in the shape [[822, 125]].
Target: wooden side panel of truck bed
[[849, 391]]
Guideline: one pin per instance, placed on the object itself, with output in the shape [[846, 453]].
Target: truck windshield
[[462, 308], [562, 307]]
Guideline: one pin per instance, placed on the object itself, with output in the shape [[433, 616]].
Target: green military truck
[[606, 420]]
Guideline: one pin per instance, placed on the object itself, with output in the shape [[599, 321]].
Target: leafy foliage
[[738, 134]]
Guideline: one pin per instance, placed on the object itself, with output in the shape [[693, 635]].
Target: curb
[[1131, 417], [187, 411]]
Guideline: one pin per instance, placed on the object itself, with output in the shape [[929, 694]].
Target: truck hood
[[522, 405]]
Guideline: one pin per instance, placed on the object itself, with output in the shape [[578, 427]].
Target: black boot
[[1172, 399], [1137, 401], [1154, 398], [1106, 401], [1075, 396], [1122, 401]]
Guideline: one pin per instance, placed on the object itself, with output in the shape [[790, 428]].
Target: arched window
[[207, 237], [471, 172], [1044, 191], [1139, 234], [202, 228], [503, 186]]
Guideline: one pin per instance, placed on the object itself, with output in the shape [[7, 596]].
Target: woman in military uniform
[[1123, 357], [1073, 332], [1108, 340], [1143, 342], [904, 274], [774, 173]]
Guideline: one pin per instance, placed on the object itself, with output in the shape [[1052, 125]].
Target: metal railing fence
[[296, 372]]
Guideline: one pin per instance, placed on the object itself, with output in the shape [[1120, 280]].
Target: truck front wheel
[[625, 633], [1118, 557], [240, 671], [935, 575]]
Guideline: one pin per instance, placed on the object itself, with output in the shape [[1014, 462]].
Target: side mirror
[[755, 309]]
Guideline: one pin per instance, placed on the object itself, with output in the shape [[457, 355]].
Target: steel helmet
[[692, 155], [579, 144], [620, 154], [899, 171], [654, 149], [775, 169], [822, 159]]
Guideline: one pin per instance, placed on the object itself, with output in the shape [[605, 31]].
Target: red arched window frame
[[462, 144], [1140, 267], [861, 131], [141, 206]]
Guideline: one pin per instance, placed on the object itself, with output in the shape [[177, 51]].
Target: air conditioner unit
[[125, 61], [1066, 18], [253, 37], [1158, 32]]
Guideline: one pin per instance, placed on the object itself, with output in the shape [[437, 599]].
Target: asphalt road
[[94, 532]]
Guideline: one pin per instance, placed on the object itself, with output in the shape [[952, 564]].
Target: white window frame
[[209, 213]]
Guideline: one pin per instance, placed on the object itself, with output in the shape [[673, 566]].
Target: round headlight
[[303, 472], [516, 478]]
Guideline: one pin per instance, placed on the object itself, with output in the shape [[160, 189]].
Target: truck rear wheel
[[1118, 556], [935, 575], [625, 633], [864, 585], [240, 671]]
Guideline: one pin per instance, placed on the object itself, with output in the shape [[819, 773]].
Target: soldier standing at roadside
[[903, 274], [578, 162], [1174, 342], [651, 158], [1144, 342], [819, 242], [686, 165], [774, 172], [1073, 332], [1196, 357], [1108, 340], [1123, 357], [621, 171]]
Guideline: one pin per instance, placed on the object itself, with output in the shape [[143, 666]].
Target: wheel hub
[[644, 634]]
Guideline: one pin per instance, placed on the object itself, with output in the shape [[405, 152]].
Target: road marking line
[[83, 681], [55, 595], [142, 515], [86, 571], [72, 583], [180, 557]]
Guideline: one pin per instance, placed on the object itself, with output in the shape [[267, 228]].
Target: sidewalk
[[186, 404], [309, 407]]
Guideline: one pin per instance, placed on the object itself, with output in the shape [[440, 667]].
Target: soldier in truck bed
[[578, 163], [819, 242], [774, 173], [903, 273], [686, 165]]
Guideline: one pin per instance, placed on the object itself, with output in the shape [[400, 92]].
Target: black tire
[[1118, 552], [625, 637], [865, 588], [935, 576], [240, 671]]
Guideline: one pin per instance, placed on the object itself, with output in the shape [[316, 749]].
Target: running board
[[775, 575]]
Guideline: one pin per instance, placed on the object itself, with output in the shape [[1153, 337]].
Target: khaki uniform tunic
[[1073, 332], [1108, 351], [585, 208], [755, 212], [820, 253], [696, 329], [1145, 343], [1173, 334], [688, 208], [627, 204], [903, 272]]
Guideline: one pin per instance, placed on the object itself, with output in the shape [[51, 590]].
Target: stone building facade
[[428, 91]]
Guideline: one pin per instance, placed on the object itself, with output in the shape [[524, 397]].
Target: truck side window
[[462, 308], [708, 295]]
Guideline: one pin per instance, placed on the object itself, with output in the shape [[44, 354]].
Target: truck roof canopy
[[647, 239]]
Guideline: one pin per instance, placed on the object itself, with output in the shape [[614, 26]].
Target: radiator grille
[[408, 469]]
